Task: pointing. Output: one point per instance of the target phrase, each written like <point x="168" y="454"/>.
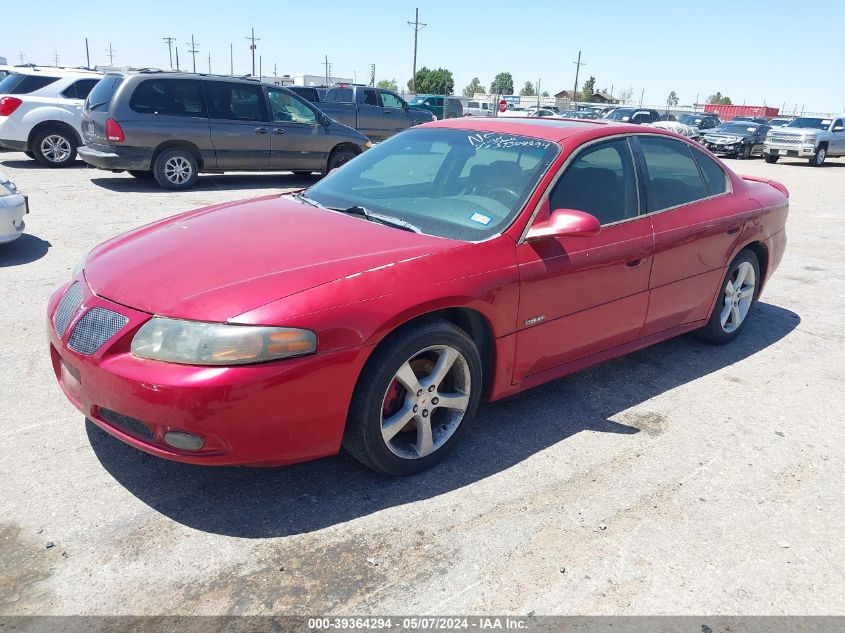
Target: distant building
<point x="3" y="61"/>
<point x="597" y="97"/>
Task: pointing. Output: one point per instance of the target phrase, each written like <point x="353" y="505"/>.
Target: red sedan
<point x="461" y="259"/>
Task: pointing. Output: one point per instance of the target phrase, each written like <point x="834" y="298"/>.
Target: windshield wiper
<point x="388" y="220"/>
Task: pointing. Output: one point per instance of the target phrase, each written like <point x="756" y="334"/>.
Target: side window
<point x="80" y="89"/>
<point x="287" y="108"/>
<point x="371" y="97"/>
<point x="171" y="97"/>
<point x="714" y="176"/>
<point x="390" y="100"/>
<point x="600" y="181"/>
<point x="472" y="104"/>
<point x="673" y="175"/>
<point x="234" y="101"/>
<point x="838" y="125"/>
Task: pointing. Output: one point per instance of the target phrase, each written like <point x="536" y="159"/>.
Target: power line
<point x="110" y="52"/>
<point x="578" y="65"/>
<point x="252" y="46"/>
<point x="417" y="26"/>
<point x="193" y="51"/>
<point x="169" y="41"/>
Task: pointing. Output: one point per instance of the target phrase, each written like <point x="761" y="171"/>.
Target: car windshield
<point x="819" y="124"/>
<point x="738" y="128"/>
<point x="458" y="184"/>
<point x="689" y="119"/>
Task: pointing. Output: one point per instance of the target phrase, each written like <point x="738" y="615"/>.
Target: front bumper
<point x="13" y="208"/>
<point x="794" y="150"/>
<point x="112" y="157"/>
<point x="724" y="150"/>
<point x="267" y="414"/>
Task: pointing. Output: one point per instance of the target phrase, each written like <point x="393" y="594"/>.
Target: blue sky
<point x="692" y="47"/>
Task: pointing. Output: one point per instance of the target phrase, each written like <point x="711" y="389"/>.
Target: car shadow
<point x="210" y="182"/>
<point x="28" y="163"/>
<point x="262" y="502"/>
<point x="27" y="248"/>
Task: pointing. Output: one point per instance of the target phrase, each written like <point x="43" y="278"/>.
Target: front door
<point x="297" y="140"/>
<point x="240" y="129"/>
<point x="396" y="116"/>
<point x="583" y="295"/>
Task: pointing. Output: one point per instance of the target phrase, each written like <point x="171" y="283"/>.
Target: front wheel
<point x="818" y="159"/>
<point x="739" y="292"/>
<point x="415" y="398"/>
<point x="175" y="169"/>
<point x="770" y="158"/>
<point x="340" y="157"/>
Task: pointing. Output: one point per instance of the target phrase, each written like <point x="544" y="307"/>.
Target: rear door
<point x="297" y="140"/>
<point x="370" y="114"/>
<point x="586" y="294"/>
<point x="837" y="137"/>
<point x="697" y="222"/>
<point x="239" y="123"/>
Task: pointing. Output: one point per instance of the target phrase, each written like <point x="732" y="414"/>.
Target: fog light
<point x="183" y="441"/>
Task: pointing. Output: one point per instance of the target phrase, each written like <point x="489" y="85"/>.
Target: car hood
<point x="216" y="263"/>
<point x="796" y="131"/>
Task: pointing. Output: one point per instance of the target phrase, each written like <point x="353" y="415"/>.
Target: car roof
<point x="546" y="128"/>
<point x="54" y="71"/>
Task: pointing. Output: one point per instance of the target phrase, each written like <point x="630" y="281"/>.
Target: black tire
<point x="176" y="169"/>
<point x="141" y="174"/>
<point x="339" y="157"/>
<point x="715" y="331"/>
<point x="363" y="438"/>
<point x="54" y="147"/>
<point x="769" y="158"/>
<point x="30" y="155"/>
<point x="819" y="157"/>
<point x="745" y="152"/>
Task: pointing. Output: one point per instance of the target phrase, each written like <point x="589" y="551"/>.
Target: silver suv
<point x="172" y="126"/>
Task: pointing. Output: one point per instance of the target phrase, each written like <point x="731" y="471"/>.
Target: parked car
<point x="441" y="107"/>
<point x="542" y="112"/>
<point x="13" y="207"/>
<point x="814" y="138"/>
<point x="375" y="112"/>
<point x="677" y="127"/>
<point x="172" y="126"/>
<point x="632" y="115"/>
<point x="373" y="311"/>
<point x="479" y="108"/>
<point x="702" y="122"/>
<point x="41" y="112"/>
<point x="740" y="139"/>
<point x="752" y="119"/>
<point x="781" y="121"/>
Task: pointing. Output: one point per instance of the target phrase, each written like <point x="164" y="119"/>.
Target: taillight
<point x="114" y="133"/>
<point x="9" y="105"/>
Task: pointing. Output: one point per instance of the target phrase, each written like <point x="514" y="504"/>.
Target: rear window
<point x="343" y="95"/>
<point x="18" y="84"/>
<point x="101" y="95"/>
<point x="171" y="97"/>
<point x="308" y="93"/>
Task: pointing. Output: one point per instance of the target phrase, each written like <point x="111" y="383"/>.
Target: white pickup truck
<point x="814" y="138"/>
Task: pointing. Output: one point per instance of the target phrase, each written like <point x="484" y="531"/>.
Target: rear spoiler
<point x="774" y="183"/>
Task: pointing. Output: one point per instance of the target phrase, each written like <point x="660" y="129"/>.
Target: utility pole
<point x="55" y="58"/>
<point x="21" y="56"/>
<point x="209" y="63"/>
<point x="231" y="60"/>
<point x="538" y="95"/>
<point x="642" y="94"/>
<point x="193" y="51"/>
<point x="110" y="52"/>
<point x="87" y="55"/>
<point x="578" y="65"/>
<point x="169" y="41"/>
<point x="417" y="26"/>
<point x="260" y="68"/>
<point x="252" y="46"/>
<point x="177" y="58"/>
<point x="372" y="75"/>
<point x="327" y="65"/>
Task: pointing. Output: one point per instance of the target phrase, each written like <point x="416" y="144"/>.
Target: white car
<point x="479" y="108"/>
<point x="41" y="111"/>
<point x="13" y="206"/>
<point x="677" y="127"/>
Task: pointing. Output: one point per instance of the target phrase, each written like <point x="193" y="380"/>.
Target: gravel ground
<point x="680" y="479"/>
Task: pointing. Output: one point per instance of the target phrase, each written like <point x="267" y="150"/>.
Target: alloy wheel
<point x="425" y="402"/>
<point x="56" y="148"/>
<point x="738" y="297"/>
<point x="178" y="170"/>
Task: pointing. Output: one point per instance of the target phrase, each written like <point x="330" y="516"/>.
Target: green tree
<point x="719" y="99"/>
<point x="528" y="90"/>
<point x="388" y="84"/>
<point x="502" y="84"/>
<point x="473" y="87"/>
<point x="672" y="100"/>
<point x="437" y="81"/>
<point x="588" y="89"/>
<point x="545" y="93"/>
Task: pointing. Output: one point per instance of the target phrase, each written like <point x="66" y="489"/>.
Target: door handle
<point x="388" y="111"/>
<point x="261" y="130"/>
<point x="278" y="130"/>
<point x="733" y="230"/>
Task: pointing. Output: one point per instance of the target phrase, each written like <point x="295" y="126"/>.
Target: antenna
<point x="169" y="41"/>
<point x="417" y="26"/>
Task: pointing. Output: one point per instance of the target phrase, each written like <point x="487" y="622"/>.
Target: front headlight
<point x="810" y="139"/>
<point x="200" y="343"/>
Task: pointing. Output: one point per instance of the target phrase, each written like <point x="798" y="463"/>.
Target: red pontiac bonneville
<point x="461" y="259"/>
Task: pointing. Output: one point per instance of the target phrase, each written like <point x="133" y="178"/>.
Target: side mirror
<point x="325" y="120"/>
<point x="564" y="223"/>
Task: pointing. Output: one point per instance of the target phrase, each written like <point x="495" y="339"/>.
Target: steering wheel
<point x="508" y="198"/>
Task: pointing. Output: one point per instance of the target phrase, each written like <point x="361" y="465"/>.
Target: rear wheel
<point x="175" y="169"/>
<point x="414" y="399"/>
<point x="54" y="148"/>
<point x="769" y="158"/>
<point x="818" y="159"/>
<point x="738" y="294"/>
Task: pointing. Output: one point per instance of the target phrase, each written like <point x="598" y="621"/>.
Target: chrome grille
<point x="67" y="308"/>
<point x="95" y="327"/>
<point x="127" y="424"/>
<point x="788" y="140"/>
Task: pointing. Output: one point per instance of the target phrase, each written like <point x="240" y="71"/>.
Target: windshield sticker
<point x="480" y="218"/>
<point x="497" y="141"/>
<point x="827" y="121"/>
